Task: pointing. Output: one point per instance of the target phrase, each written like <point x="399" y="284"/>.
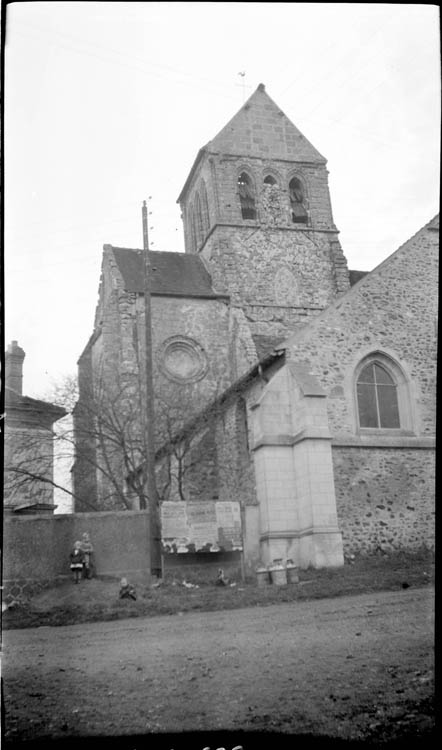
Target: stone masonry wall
<point x="234" y="457"/>
<point x="385" y="498"/>
<point x="220" y="174"/>
<point x="226" y="169"/>
<point x="384" y="478"/>
<point x="279" y="277"/>
<point x="394" y="310"/>
<point x="219" y="333"/>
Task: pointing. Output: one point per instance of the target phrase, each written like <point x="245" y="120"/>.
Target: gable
<point x="391" y="312"/>
<point x="408" y="273"/>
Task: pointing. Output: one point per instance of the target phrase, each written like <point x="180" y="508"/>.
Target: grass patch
<point x="99" y="601"/>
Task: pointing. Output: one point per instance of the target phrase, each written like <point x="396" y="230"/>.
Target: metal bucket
<point x="262" y="576"/>
<point x="292" y="574"/>
<point x="278" y="574"/>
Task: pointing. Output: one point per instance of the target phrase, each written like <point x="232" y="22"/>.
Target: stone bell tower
<point x="256" y="207"/>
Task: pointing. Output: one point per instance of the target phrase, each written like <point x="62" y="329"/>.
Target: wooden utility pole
<point x="149" y="414"/>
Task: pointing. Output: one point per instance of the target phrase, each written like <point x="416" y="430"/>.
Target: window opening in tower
<point x="246" y="197"/>
<point x="299" y="213"/>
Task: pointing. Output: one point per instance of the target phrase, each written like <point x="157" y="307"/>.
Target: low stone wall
<point x="36" y="548"/>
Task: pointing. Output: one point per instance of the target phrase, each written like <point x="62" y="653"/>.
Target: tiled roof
<point x="177" y="274"/>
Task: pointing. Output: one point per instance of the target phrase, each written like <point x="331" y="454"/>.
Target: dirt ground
<point x="353" y="668"/>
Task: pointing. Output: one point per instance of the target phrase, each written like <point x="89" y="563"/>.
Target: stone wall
<point x="36" y="548"/>
<point x="387" y="474"/>
<point x="262" y="265"/>
<point x="393" y="309"/>
<point x="226" y="169"/>
<point x="385" y="498"/>
<point x="203" y="322"/>
<point x="208" y="328"/>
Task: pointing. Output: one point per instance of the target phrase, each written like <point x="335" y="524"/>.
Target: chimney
<point x="14" y="367"/>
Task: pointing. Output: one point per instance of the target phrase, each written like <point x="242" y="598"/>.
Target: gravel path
<point x="349" y="667"/>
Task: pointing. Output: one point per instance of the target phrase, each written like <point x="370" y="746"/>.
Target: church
<point x="285" y="384"/>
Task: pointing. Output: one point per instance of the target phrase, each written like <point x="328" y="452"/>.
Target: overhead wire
<point x="208" y="84"/>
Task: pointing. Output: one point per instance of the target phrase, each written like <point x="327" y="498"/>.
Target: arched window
<point x="269" y="180"/>
<point x="297" y="201"/>
<point x="377" y="396"/>
<point x="246" y="196"/>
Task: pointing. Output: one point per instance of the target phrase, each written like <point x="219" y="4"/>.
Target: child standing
<point x="88" y="551"/>
<point x="77" y="560"/>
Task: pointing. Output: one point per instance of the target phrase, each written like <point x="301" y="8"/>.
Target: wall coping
<point x="383" y="441"/>
<point x="258" y="225"/>
<point x="297" y="534"/>
<point x="84" y="516"/>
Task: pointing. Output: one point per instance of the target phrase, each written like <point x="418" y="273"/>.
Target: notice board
<point x="201" y="526"/>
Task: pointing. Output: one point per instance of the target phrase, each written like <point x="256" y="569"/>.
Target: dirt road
<point x="350" y="667"/>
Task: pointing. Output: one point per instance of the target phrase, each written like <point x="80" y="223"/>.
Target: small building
<point x="29" y="443"/>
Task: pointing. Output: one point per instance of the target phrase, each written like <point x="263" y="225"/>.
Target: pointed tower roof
<point x="261" y="129"/>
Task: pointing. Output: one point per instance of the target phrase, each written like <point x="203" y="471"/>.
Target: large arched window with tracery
<point x="377" y="397"/>
<point x="246" y="196"/>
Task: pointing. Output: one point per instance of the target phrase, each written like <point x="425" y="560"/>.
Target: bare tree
<point x="29" y="450"/>
<point x="186" y="459"/>
<point x="110" y="445"/>
<point x="101" y="435"/>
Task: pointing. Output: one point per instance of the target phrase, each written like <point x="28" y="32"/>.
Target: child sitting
<point x="127" y="591"/>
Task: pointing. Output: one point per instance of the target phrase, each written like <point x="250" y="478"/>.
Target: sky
<point x="108" y="103"/>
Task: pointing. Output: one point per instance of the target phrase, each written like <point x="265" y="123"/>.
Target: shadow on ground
<point x="219" y="740"/>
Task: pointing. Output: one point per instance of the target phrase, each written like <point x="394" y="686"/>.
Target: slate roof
<point x="28" y="405"/>
<point x="173" y="274"/>
<point x="356" y="276"/>
<point x="266" y="345"/>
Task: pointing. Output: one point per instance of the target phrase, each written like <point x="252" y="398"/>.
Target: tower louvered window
<point x="297" y="202"/>
<point x="246" y="196"/>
